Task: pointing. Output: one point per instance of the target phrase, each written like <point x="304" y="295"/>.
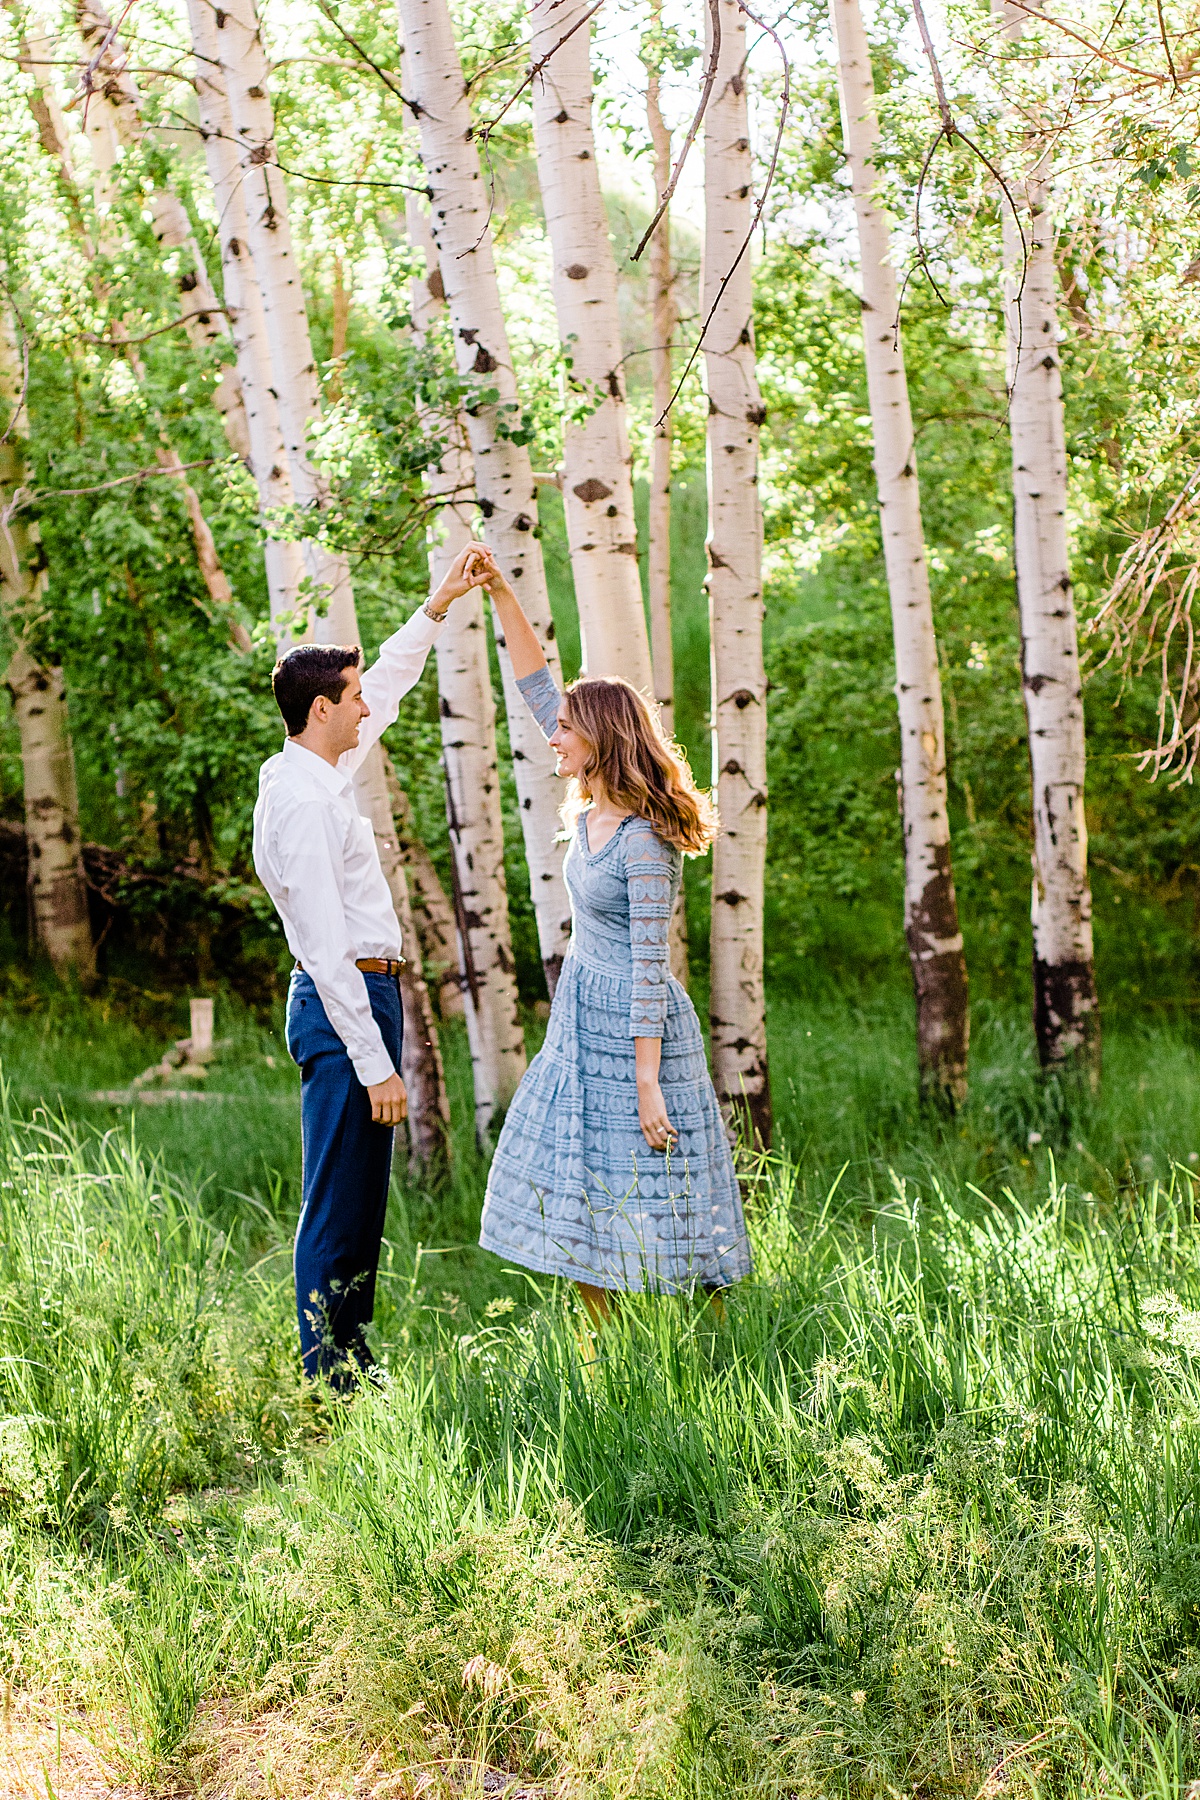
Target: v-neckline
<point x="588" y="852"/>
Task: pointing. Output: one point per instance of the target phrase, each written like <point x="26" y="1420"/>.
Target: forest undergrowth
<point x="919" y="1515"/>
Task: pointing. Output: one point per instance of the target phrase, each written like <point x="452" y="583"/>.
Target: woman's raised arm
<point x="525" y="652"/>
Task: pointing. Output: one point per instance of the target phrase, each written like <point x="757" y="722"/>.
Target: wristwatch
<point x="437" y="617"/>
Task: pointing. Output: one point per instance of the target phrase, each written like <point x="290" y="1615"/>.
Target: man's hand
<point x="389" y="1101"/>
<point x="473" y="567"/>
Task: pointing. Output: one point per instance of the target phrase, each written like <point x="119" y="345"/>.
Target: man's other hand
<point x="389" y="1101"/>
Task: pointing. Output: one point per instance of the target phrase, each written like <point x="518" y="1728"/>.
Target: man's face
<point x="340" y="723"/>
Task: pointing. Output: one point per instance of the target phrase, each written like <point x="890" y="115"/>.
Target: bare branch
<point x="205" y="462"/>
<point x="391" y="86"/>
<point x="124" y="343"/>
<point x="1035" y="12"/>
<point x="535" y="69"/>
<point x="784" y="109"/>
<point x="710" y="75"/>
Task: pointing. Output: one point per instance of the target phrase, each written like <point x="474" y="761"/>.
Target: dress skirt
<point x="574" y="1188"/>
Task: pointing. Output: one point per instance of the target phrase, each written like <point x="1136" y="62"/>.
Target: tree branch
<point x="710" y="76"/>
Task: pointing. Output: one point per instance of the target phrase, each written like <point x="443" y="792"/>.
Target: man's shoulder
<point x="285" y="784"/>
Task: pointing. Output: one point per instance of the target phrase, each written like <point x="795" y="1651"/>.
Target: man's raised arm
<point x="402" y="656"/>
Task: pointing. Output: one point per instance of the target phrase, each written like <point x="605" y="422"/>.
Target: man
<point x="316" y="857"/>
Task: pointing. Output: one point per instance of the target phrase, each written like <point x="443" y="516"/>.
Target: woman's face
<point x="571" y="749"/>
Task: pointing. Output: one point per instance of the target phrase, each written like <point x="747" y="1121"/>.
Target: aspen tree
<point x="665" y="325"/>
<point x="421" y="1066"/>
<point x="432" y="908"/>
<point x="1065" y="1005"/>
<point x="468" y="721"/>
<point x="931" y="925"/>
<point x="597" y="476"/>
<point x="112" y="116"/>
<point x="739" y="686"/>
<point x="57" y="887"/>
<point x="244" y="71"/>
<point x="503" y="475"/>
<point x="268" y="459"/>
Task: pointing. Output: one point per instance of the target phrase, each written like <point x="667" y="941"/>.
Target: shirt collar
<point x="336" y="780"/>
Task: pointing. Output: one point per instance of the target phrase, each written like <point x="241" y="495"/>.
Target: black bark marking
<point x="1066" y="1016"/>
<point x="591" y="489"/>
<point x="940" y="986"/>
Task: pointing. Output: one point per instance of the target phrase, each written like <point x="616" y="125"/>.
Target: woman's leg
<point x="596" y="1300"/>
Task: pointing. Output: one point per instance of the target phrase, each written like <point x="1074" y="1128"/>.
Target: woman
<point x="613" y="1167"/>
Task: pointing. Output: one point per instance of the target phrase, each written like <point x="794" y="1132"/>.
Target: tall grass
<point x="920" y="1513"/>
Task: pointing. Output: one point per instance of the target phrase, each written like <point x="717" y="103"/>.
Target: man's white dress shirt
<point x="315" y="854"/>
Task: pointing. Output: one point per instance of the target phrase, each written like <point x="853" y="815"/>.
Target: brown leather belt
<point x="375" y="965"/>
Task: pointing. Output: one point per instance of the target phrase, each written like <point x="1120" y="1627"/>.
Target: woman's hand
<point x="473" y="567"/>
<point x="657" y="1129"/>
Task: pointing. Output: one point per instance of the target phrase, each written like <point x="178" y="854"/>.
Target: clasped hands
<point x="473" y="567"/>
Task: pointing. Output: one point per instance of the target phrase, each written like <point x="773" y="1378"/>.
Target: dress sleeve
<point x="650" y="872"/>
<point x="540" y="693"/>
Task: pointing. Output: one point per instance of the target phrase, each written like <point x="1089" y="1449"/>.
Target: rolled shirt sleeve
<point x="310" y="867"/>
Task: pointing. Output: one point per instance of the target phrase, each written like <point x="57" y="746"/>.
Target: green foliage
<point x="918" y="1508"/>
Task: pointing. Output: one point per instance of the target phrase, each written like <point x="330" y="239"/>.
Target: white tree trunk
<point x="468" y="720"/>
<point x="665" y="326"/>
<point x="36" y="54"/>
<point x="245" y="71"/>
<point x="930" y="906"/>
<point x="432" y="908"/>
<point x="57" y="889"/>
<point x="112" y="116"/>
<point x="739" y="686"/>
<point x="1066" y="1008"/>
<point x="504" y="483"/>
<point x="268" y="452"/>
<point x="597" y="461"/>
<point x="420" y="1053"/>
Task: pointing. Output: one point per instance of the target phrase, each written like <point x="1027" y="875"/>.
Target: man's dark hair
<point x="305" y="672"/>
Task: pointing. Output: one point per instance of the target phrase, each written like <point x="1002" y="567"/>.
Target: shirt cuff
<point x="420" y="630"/>
<point x="373" y="1068"/>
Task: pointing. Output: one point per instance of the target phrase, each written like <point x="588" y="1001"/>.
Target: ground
<point x="919" y="1515"/>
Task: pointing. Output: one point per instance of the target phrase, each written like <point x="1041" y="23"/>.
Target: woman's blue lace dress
<point x="574" y="1188"/>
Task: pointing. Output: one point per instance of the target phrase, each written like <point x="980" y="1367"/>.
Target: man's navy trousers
<point x="347" y="1167"/>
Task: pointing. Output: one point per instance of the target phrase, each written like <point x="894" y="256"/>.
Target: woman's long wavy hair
<point x="640" y="768"/>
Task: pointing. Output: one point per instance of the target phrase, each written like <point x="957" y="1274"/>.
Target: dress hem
<point x="611" y="1283"/>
